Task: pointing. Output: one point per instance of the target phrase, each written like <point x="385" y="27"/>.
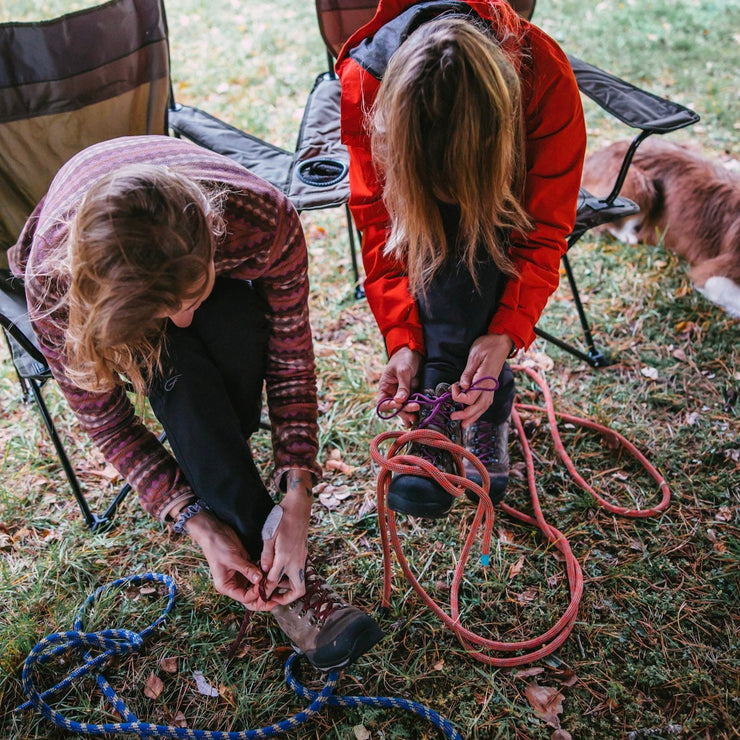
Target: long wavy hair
<point x="447" y="125"/>
<point x="140" y="245"/>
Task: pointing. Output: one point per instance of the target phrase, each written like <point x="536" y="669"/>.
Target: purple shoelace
<point x="435" y="403"/>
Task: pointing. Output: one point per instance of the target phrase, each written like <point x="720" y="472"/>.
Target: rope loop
<point x="123" y="642"/>
<point x="395" y="461"/>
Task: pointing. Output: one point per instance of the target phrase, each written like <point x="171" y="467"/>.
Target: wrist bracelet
<point x="188" y="513"/>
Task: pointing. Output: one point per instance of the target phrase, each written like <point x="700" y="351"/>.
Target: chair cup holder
<point x="321" y="172"/>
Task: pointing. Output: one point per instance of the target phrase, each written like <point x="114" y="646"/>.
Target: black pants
<point x="209" y="400"/>
<point x="455" y="313"/>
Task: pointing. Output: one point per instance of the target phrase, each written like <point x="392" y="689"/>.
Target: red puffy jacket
<point x="555" y="147"/>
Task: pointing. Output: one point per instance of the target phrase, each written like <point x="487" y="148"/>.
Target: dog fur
<point x="687" y="202"/>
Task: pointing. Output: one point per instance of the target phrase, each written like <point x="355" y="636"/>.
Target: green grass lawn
<point x="654" y="652"/>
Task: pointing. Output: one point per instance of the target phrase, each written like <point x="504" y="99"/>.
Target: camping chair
<point x="59" y="93"/>
<point x="66" y="84"/>
<point x="638" y="109"/>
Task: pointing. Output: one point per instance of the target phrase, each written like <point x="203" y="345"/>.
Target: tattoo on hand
<point x="300" y="575"/>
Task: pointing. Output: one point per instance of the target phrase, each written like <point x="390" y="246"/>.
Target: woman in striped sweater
<point x="154" y="261"/>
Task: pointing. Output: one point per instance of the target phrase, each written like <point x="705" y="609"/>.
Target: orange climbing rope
<point x="394" y="461"/>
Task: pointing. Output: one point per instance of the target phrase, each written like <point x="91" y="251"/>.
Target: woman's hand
<point x="399" y="379"/>
<point x="284" y="555"/>
<point x="486" y="359"/>
<point x="233" y="573"/>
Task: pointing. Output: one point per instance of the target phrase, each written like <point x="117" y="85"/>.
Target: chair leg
<point x="593" y="356"/>
<point x="90" y="519"/>
<point x="359" y="290"/>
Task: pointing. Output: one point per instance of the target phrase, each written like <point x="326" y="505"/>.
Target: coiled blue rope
<point x="120" y="642"/>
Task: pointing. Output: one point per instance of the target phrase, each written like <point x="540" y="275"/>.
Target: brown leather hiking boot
<point x="489" y="442"/>
<point x="418" y="495"/>
<point x="328" y="631"/>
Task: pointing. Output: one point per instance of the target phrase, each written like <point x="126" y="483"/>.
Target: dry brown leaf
<point x="527" y="596"/>
<point x="724" y="514"/>
<point x="505" y="536"/>
<point x="332" y="496"/>
<point x="154" y="686"/>
<point x="179" y="720"/>
<point x="361" y="732"/>
<point x="340" y="466"/>
<point x="564" y="677"/>
<point x="529" y="672"/>
<point x="169" y="665"/>
<point x="516" y="568"/>
<point x="439" y="665"/>
<point x="546" y="702"/>
<point x="561" y="735"/>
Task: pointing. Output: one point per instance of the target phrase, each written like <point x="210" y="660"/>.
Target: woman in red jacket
<point x="466" y="138"/>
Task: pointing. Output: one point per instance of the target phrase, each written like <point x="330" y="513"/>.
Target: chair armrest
<point x="266" y="160"/>
<point x="632" y="106"/>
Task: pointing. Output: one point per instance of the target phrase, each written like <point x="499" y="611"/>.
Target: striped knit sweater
<point x="264" y="243"/>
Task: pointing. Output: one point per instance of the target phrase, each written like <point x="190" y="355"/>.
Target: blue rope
<point x="120" y="642"/>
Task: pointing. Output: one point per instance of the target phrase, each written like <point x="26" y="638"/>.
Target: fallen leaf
<point x="692" y="418"/>
<point x="505" y="536"/>
<point x="527" y="596"/>
<point x="529" y="672"/>
<point x="202" y="686"/>
<point x="179" y="720"/>
<point x="679" y="354"/>
<point x="154" y="686"/>
<point x="561" y="735"/>
<point x="332" y="496"/>
<point x="516" y="568"/>
<point x="564" y="677"/>
<point x="724" y="514"/>
<point x="340" y="466"/>
<point x="439" y="665"/>
<point x="649" y="372"/>
<point x="147" y="590"/>
<point x="361" y="732"/>
<point x="169" y="665"/>
<point x="546" y="702"/>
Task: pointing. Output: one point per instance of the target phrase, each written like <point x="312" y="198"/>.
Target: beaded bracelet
<point x="188" y="513"/>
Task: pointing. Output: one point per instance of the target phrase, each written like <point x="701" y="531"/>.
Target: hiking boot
<point x="418" y="495"/>
<point x="328" y="631"/>
<point x="489" y="442"/>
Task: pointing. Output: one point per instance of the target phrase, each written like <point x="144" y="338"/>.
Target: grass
<point x="654" y="652"/>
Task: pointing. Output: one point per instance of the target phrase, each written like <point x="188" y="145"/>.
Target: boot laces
<point x="484" y="444"/>
<point x="319" y="599"/>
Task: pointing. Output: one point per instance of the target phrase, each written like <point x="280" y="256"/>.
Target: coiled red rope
<point x="394" y="461"/>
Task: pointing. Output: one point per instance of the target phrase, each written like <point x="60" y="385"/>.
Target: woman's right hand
<point x="399" y="379"/>
<point x="233" y="573"/>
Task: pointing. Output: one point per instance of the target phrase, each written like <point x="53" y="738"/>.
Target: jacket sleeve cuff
<point x="404" y="336"/>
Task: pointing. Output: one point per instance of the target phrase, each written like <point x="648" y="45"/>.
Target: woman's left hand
<point x="284" y="555"/>
<point x="486" y="359"/>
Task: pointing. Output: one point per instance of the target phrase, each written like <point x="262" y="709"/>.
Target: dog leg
<point x="710" y="279"/>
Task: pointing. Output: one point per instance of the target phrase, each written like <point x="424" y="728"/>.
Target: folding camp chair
<point x="59" y="93"/>
<point x="636" y="108"/>
<point x="97" y="74"/>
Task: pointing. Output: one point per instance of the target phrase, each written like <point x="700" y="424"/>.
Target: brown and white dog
<point x="689" y="202"/>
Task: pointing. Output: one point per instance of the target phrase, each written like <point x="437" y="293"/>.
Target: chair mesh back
<point x="339" y="19"/>
<point x="71" y="82"/>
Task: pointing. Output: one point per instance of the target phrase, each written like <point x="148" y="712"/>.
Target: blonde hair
<point x="140" y="244"/>
<point x="447" y="125"/>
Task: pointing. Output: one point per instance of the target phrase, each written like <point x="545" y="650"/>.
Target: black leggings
<point x="209" y="399"/>
<point x="455" y="313"/>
